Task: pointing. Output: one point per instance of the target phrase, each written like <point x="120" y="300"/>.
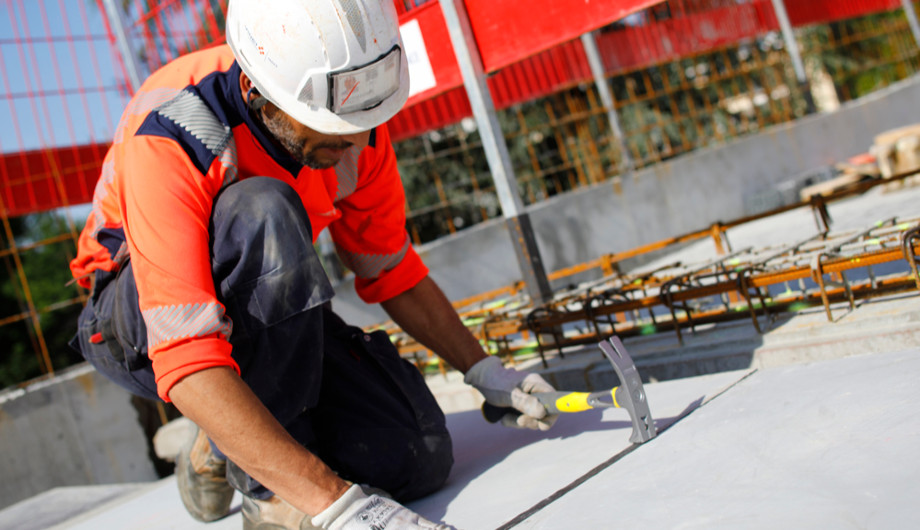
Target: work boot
<point x="274" y="514"/>
<point x="202" y="478"/>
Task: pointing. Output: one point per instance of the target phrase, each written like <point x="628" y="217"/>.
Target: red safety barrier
<point x="523" y="81"/>
<point x="510" y="31"/>
<point x="667" y="40"/>
<point x="819" y="11"/>
<point x="60" y="99"/>
<point x="440" y="52"/>
<point x="528" y="45"/>
<point x="35" y="181"/>
<point x="690" y="31"/>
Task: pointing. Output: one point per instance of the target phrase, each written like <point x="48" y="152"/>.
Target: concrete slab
<point x="65" y="504"/>
<point x="827" y="445"/>
<point x="156" y="506"/>
<point x="69" y="431"/>
<point x="499" y="472"/>
<point x="819" y="445"/>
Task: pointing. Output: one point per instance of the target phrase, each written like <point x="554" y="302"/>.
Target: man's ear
<point x="251" y="96"/>
<point x="248" y="89"/>
<point x="245" y="84"/>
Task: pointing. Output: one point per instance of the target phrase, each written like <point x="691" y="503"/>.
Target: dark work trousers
<point x="344" y="394"/>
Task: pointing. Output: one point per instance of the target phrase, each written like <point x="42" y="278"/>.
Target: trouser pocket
<point x="112" y="337"/>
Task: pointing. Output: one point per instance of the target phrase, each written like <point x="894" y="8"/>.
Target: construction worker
<point x="207" y="292"/>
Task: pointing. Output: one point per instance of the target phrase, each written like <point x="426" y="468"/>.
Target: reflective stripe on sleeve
<point x="100" y="193"/>
<point x="228" y="161"/>
<point x="189" y="111"/>
<point x="142" y="103"/>
<point x="346" y="172"/>
<point x="372" y="265"/>
<point x="166" y="323"/>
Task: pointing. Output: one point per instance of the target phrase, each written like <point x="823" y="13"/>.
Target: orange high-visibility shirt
<point x="184" y="136"/>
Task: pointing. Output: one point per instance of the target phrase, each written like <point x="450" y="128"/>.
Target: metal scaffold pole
<point x="589" y="41"/>
<point x="493" y="142"/>
<point x="911" y="13"/>
<point x="116" y="22"/>
<point x="792" y="46"/>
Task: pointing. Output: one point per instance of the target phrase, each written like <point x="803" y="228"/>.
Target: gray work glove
<point x="504" y="387"/>
<point x="356" y="510"/>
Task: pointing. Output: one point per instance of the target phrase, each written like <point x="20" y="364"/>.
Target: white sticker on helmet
<point x="365" y="87"/>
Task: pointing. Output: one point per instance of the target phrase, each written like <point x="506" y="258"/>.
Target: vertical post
<point x="589" y="42"/>
<point x="493" y="142"/>
<point x="793" y="48"/>
<point x="912" y="19"/>
<point x="121" y="37"/>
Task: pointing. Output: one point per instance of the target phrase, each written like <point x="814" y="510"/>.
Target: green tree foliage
<point x="862" y="54"/>
<point x="47" y="274"/>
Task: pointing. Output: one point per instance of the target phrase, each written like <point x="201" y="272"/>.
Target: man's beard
<point x="285" y="135"/>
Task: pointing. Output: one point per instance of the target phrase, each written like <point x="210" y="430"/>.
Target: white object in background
<point x="421" y="75"/>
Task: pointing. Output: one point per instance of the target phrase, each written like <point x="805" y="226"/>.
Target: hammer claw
<point x="631" y="394"/>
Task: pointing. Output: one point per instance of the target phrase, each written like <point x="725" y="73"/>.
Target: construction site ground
<point x="812" y="424"/>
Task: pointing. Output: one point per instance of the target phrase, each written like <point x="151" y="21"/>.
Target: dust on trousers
<point x="345" y="395"/>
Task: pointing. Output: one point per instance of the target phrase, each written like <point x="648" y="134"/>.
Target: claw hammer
<point x="630" y="395"/>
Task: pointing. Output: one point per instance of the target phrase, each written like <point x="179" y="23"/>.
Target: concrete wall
<point x="75" y="429"/>
<point x="688" y="193"/>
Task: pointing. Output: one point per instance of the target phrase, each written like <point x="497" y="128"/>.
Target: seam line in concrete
<point x="523" y="516"/>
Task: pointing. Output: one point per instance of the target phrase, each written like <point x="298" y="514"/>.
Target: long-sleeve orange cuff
<point x="393" y="282"/>
<point x="173" y="363"/>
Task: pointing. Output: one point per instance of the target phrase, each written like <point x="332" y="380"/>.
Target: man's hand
<point x="355" y="510"/>
<point x="426" y="314"/>
<point x="504" y="387"/>
<point x="245" y="431"/>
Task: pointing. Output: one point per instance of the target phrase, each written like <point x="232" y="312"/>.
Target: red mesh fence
<point x="59" y="100"/>
<point x="65" y="82"/>
<point x="167" y="29"/>
<point x="665" y="32"/>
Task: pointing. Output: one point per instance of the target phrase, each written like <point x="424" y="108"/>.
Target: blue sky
<point x="67" y="51"/>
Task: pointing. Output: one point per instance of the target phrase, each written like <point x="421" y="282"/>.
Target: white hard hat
<point x="336" y="66"/>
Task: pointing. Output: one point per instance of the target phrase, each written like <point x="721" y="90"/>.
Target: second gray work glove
<point x="504" y="387"/>
<point x="356" y="510"/>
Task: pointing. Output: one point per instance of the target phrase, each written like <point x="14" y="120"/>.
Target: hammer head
<point x="630" y="395"/>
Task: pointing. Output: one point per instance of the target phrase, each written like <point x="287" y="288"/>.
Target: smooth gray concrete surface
<point x="498" y="473"/>
<point x="76" y="429"/>
<point x="826" y="445"/>
<point x="687" y="193"/>
<point x="829" y="444"/>
<point x="156" y="507"/>
<point x="65" y="504"/>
